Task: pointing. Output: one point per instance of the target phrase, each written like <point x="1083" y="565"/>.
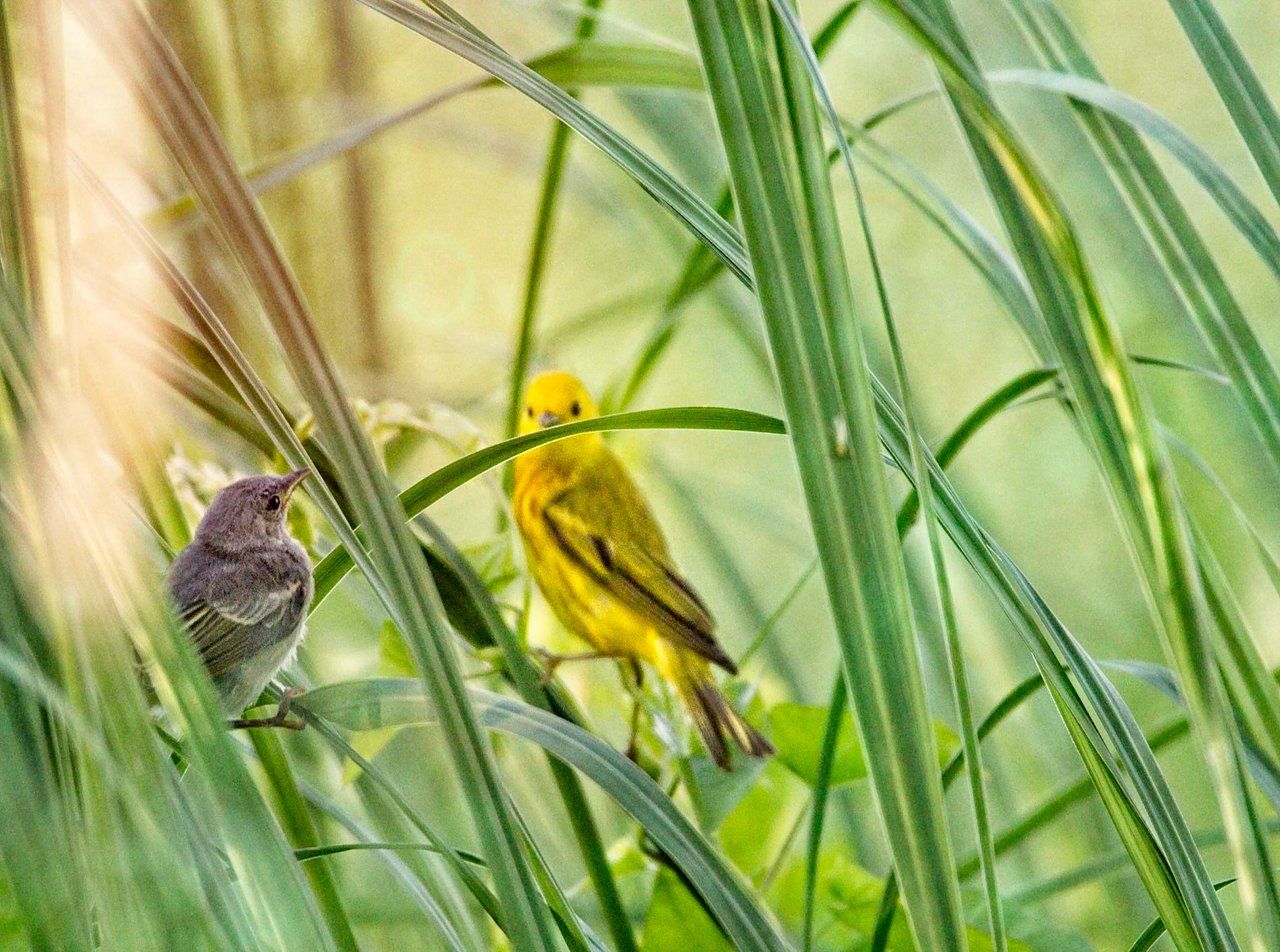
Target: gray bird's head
<point x="250" y="511"/>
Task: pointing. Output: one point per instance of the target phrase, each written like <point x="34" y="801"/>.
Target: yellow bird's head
<point x="554" y="398"/>
<point x="551" y="399"/>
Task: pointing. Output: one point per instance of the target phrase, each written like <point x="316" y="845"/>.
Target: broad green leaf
<point x="797" y="731"/>
<point x="676" y="922"/>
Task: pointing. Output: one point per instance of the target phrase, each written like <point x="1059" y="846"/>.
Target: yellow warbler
<point x="603" y="565"/>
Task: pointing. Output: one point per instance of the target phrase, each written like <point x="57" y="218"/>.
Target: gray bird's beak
<point x="547" y="419"/>
<point x="293" y="479"/>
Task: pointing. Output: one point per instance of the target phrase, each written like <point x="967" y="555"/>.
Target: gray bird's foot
<point x="279" y="719"/>
<point x="551" y="661"/>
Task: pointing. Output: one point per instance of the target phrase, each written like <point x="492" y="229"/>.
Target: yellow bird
<point x="602" y="563"/>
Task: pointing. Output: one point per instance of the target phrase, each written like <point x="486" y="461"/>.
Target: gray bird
<point x="242" y="588"/>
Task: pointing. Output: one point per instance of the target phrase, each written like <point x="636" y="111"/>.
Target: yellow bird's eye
<point x="529" y="411"/>
<point x="575" y="408"/>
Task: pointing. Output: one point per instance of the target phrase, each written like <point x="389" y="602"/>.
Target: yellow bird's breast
<point x="578" y="600"/>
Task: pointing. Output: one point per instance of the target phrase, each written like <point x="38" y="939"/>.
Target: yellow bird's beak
<point x="547" y="418"/>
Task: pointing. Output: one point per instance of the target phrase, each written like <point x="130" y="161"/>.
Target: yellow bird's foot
<point x="551" y="661"/>
<point x="637" y="699"/>
<point x="279" y="719"/>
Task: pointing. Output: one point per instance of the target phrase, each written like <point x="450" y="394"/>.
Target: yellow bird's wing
<point x="602" y="524"/>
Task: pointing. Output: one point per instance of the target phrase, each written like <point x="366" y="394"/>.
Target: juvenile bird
<point x="242" y="589"/>
<point x="601" y="560"/>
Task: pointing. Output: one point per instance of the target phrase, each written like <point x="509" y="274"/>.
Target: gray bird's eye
<point x="273" y="503"/>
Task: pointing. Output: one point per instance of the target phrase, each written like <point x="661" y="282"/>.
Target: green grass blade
<point x="307" y="853"/>
<point x="792" y="238"/>
<point x="942" y="594"/>
<point x="818" y="809"/>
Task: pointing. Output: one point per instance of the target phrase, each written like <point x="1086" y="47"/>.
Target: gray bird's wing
<point x="233" y="611"/>
<point x="226" y="633"/>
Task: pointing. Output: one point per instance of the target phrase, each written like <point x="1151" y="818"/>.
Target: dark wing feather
<point x="605" y="527"/>
<point x="234" y="608"/>
<point x="227" y="631"/>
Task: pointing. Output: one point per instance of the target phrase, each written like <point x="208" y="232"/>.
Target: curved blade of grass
<point x="475" y="47"/>
<point x="1238" y="86"/>
<point x="1226" y="194"/>
<point x="1246" y="673"/>
<point x="449" y="477"/>
<point x="369" y="704"/>
<point x="818" y="810"/>
<point x="1251" y="668"/>
<point x="306" y="853"/>
<point x="176" y="108"/>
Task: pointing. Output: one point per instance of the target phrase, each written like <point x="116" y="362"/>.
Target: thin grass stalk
<point x="544" y="223"/>
<point x="818" y="812"/>
<point x="176" y="108"/>
<point x="833" y="433"/>
<point x="15" y="217"/>
<point x="295" y="817"/>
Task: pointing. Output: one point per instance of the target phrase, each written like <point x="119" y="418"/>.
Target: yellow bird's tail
<point x="713" y="715"/>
